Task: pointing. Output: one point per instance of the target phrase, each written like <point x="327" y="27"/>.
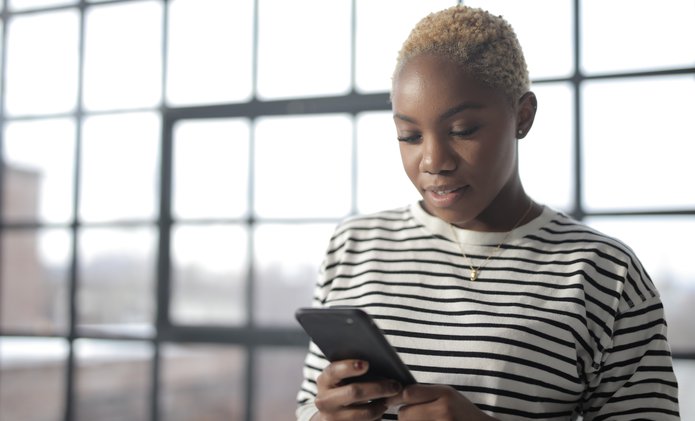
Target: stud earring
<point x="519" y="132"/>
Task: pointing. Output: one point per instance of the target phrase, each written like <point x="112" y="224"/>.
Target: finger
<point x="367" y="411"/>
<point x="421" y="393"/>
<point x="338" y="371"/>
<point x="355" y="395"/>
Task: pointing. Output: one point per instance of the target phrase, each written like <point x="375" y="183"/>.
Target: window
<point x="172" y="171"/>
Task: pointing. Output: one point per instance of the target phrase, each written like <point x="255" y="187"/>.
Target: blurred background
<point x="172" y="171"/>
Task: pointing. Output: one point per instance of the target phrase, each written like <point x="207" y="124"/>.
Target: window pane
<point x="32" y="378"/>
<point x="123" y="55"/>
<point x="203" y="382"/>
<point x="376" y="49"/>
<point x="116" y="274"/>
<point x="210" y="266"/>
<point x="638" y="145"/>
<point x="626" y="35"/>
<point x="539" y="35"/>
<point x="38" y="171"/>
<point x="548" y="148"/>
<point x="113" y="380"/>
<point x="307" y="54"/>
<point x="685" y="373"/>
<point x="35" y="267"/>
<point x="211" y="171"/>
<point x="120" y="167"/>
<point x="35" y="4"/>
<point x="665" y="248"/>
<point x="210" y="51"/>
<point x="42" y="70"/>
<point x="303" y="166"/>
<point x="278" y="374"/>
<point x="381" y="180"/>
<point x="287" y="259"/>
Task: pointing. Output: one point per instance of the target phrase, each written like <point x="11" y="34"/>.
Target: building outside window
<point x="172" y="171"/>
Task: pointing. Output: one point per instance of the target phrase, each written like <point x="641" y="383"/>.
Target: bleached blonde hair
<point x="484" y="44"/>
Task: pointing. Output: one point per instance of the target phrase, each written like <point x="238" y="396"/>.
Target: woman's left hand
<point x="435" y="403"/>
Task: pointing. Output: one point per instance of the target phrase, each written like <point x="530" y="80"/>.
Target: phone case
<point x="350" y="333"/>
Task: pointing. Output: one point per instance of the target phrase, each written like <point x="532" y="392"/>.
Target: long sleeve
<point x="636" y="378"/>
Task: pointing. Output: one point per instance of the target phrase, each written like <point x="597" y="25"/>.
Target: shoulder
<point x="392" y="223"/>
<point x="615" y="264"/>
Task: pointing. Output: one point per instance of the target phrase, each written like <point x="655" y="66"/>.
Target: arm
<point x="636" y="379"/>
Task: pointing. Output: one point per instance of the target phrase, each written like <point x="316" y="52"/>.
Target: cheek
<point x="410" y="160"/>
<point x="499" y="161"/>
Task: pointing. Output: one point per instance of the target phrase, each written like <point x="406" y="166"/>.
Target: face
<point x="458" y="143"/>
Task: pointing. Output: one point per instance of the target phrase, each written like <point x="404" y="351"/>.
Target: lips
<point x="444" y="196"/>
<point x="442" y="192"/>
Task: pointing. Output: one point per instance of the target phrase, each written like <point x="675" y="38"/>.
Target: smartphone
<point x="350" y="333"/>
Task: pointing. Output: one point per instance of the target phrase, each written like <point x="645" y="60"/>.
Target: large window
<point x="172" y="171"/>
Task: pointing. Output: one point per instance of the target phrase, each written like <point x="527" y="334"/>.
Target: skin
<point x="457" y="133"/>
<point x="460" y="136"/>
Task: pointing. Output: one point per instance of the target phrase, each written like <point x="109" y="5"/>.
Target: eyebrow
<point x="446" y="114"/>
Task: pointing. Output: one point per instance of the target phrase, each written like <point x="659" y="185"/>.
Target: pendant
<point x="474" y="274"/>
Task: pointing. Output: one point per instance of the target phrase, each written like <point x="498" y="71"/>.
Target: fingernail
<point x="358" y="365"/>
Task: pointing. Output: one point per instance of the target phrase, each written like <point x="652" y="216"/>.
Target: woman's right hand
<point x="363" y="401"/>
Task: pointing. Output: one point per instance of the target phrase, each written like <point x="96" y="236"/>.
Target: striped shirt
<point x="562" y="322"/>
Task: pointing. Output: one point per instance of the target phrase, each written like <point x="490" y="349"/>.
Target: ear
<point x="525" y="114"/>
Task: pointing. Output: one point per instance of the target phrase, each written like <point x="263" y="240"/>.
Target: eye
<point x="410" y="138"/>
<point x="465" y="132"/>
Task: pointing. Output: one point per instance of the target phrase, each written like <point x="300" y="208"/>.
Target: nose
<point x="437" y="155"/>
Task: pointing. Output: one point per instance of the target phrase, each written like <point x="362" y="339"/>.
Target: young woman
<point x="502" y="308"/>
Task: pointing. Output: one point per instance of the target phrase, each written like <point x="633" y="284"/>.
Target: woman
<point x="502" y="308"/>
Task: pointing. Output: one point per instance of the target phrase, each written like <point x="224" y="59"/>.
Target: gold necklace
<point x="475" y="272"/>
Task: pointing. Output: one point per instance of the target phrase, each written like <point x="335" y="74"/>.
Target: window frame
<point x="249" y="336"/>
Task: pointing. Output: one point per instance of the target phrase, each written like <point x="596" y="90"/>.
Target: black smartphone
<point x="346" y="333"/>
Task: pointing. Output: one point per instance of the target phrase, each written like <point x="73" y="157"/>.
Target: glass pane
<point x="287" y="259"/>
<point x="548" y="148"/>
<point x="376" y="49"/>
<point x="15" y="5"/>
<point x="221" y="70"/>
<point x="42" y="70"/>
<point x="303" y="55"/>
<point x="116" y="280"/>
<point x="665" y="248"/>
<point x="35" y="274"/>
<point x="113" y="380"/>
<point x="123" y="55"/>
<point x="685" y="372"/>
<point x="553" y="32"/>
<point x="278" y="374"/>
<point x="3" y="51"/>
<point x="381" y="180"/>
<point x="209" y="270"/>
<point x="203" y="382"/>
<point x="303" y="166"/>
<point x="38" y="172"/>
<point x="211" y="170"/>
<point x="120" y="167"/>
<point x="638" y="145"/>
<point x="32" y="378"/>
<point x="626" y="35"/>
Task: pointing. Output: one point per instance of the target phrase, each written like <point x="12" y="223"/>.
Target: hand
<point x="435" y="403"/>
<point x="355" y="401"/>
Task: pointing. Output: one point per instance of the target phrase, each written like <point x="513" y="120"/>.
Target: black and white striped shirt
<point x="562" y="321"/>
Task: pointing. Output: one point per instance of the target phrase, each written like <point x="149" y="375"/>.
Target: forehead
<point x="434" y="80"/>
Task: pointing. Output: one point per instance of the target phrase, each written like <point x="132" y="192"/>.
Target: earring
<point x="519" y="132"/>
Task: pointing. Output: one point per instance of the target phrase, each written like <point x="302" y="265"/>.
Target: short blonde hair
<point x="484" y="44"/>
